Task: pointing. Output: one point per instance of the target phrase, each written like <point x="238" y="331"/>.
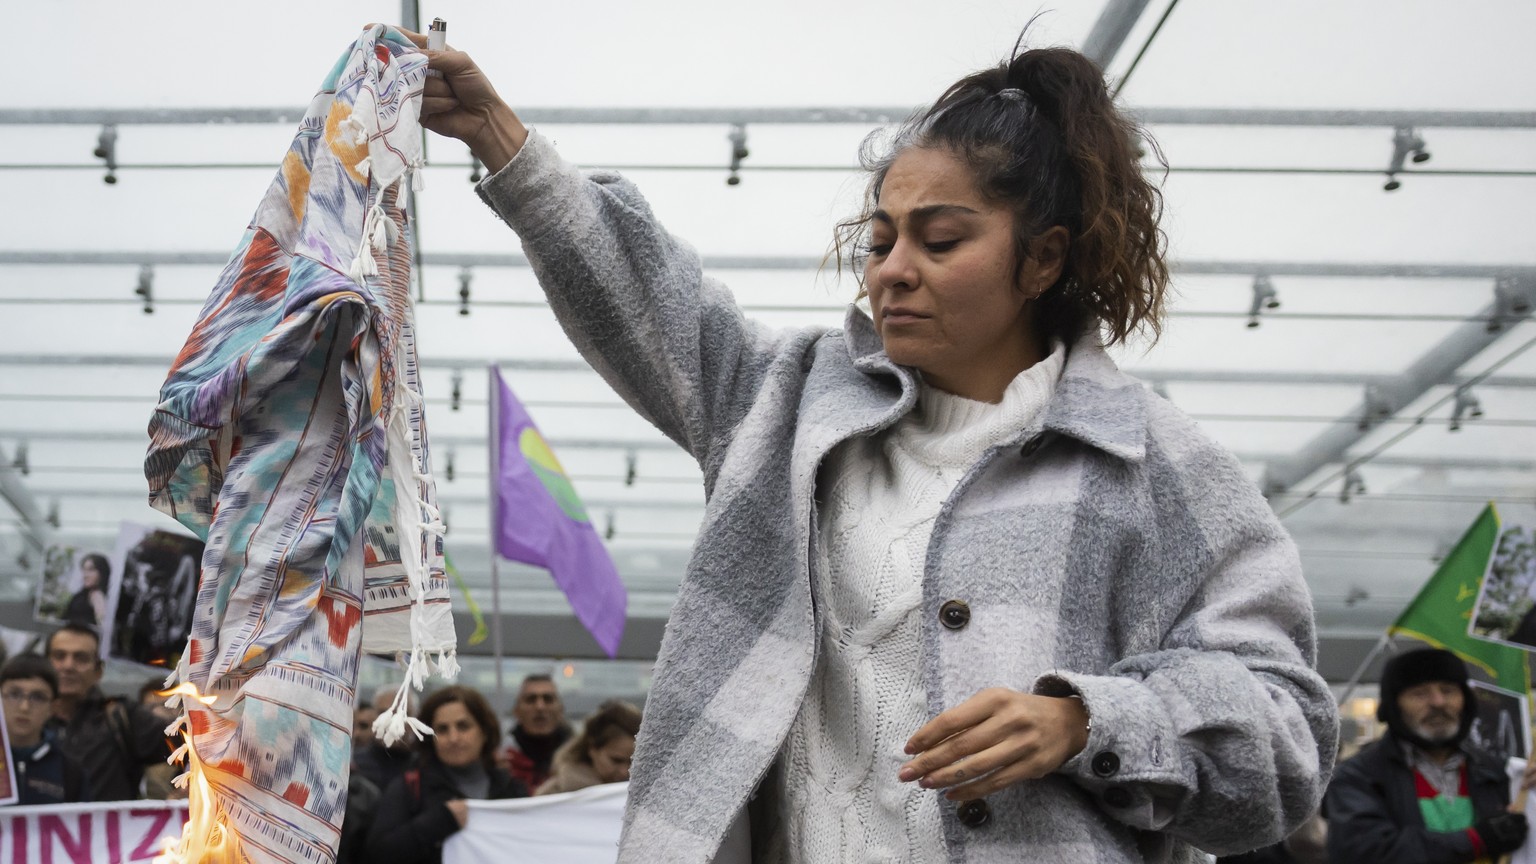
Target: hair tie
<point x="1012" y="94"/>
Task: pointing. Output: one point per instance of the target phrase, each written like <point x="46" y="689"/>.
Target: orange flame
<point x="207" y="837"/>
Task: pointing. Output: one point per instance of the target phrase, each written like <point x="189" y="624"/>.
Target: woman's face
<point x="456" y="737"/>
<point x="941" y="282"/>
<point x="90" y="577"/>
<point x="611" y="761"/>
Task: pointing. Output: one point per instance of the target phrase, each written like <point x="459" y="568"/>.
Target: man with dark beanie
<point x="1422" y="794"/>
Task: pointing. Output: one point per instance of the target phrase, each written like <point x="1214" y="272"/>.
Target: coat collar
<point x="1094" y="402"/>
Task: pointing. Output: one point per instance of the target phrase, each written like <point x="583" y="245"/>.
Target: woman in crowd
<point x="963" y="590"/>
<point x="425" y="806"/>
<point x="600" y="754"/>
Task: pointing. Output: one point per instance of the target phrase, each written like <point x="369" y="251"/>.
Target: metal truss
<point x="874" y="115"/>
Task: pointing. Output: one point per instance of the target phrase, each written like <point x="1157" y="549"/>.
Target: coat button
<point x="1105" y="764"/>
<point x="1117" y="797"/>
<point x="955" y="614"/>
<point x="974" y="814"/>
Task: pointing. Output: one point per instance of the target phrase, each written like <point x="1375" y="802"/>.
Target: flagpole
<point x="495" y="477"/>
<point x="1354" y="680"/>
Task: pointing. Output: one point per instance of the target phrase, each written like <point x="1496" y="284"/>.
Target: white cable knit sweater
<point x="867" y="697"/>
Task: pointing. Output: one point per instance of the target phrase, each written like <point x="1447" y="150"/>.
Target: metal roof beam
<point x="1152" y="116"/>
<point x="1177" y="376"/>
<point x="13" y="489"/>
<point x="1115" y="23"/>
<point x="1266" y="376"/>
<point x="110" y="436"/>
<point x="1320" y="269"/>
<point x="592" y="504"/>
<point x="1435" y="367"/>
<point x="1455" y="463"/>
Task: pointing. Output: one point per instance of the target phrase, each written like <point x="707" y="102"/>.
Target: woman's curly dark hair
<point x="1043" y="136"/>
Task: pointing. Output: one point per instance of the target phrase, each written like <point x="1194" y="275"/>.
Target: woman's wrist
<point x="499" y="139"/>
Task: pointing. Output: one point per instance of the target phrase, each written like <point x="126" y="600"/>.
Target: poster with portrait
<point x="151" y="595"/>
<point x="1503" y="722"/>
<point x="10" y="792"/>
<point x="1506" y="602"/>
<point x="73" y="586"/>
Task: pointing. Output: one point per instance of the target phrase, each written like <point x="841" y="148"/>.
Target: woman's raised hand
<point x="462" y="104"/>
<point x="995" y="739"/>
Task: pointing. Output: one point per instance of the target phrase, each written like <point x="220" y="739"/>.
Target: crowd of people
<point x="70" y="743"/>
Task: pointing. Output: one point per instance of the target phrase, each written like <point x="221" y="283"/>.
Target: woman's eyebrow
<point x="924" y="213"/>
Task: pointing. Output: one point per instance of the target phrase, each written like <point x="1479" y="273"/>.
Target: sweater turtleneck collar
<point x="951" y="429"/>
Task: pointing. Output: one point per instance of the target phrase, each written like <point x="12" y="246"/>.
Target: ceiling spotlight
<point x="1467" y="406"/>
<point x="475" y="168"/>
<point x="1377" y="407"/>
<point x="1354" y="485"/>
<point x="1406" y="144"/>
<point x="738" y="138"/>
<point x="1264" y="297"/>
<point x="1513" y="298"/>
<point x="631" y="467"/>
<point x="442" y="516"/>
<point x="20" y="462"/>
<point x="456" y="398"/>
<point x="146" y="288"/>
<point x="53" y="514"/>
<point x="106" y="151"/>
<point x="610" y="527"/>
<point x="465" y="277"/>
<point x="448" y="468"/>
<point x="1355" y="596"/>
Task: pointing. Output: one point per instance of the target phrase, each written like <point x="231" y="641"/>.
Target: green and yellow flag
<point x="1442" y="611"/>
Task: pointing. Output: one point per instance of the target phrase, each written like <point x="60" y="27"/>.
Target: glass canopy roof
<point x="1277" y="122"/>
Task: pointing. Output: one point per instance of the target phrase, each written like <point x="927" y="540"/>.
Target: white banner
<point x="580" y="827"/>
<point x="108" y="833"/>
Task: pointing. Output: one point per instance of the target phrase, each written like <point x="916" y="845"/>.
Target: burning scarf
<point x="290" y="436"/>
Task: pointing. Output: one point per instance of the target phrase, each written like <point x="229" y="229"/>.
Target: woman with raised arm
<point x="963" y="590"/>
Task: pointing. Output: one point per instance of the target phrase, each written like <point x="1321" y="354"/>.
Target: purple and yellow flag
<point x="538" y="519"/>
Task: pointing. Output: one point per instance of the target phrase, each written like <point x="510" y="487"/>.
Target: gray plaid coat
<point x="1113" y="551"/>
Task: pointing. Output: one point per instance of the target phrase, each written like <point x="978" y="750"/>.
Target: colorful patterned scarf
<point x="290" y="436"/>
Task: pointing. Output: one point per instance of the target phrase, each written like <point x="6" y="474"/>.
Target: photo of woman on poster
<point x="89" y="604"/>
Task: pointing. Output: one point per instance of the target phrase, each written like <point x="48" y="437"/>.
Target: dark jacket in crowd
<point x="112" y="740"/>
<point x="362" y="802"/>
<point x="46" y="775"/>
<point x="380" y="764"/>
<point x="530" y="758"/>
<point x="1373" y="813"/>
<point x="413" y="820"/>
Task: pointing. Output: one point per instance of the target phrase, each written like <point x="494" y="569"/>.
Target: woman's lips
<point x="901" y="316"/>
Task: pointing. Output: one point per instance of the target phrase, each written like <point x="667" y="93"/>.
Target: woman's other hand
<point x="995" y="739"/>
<point x="459" y="809"/>
<point x="463" y="104"/>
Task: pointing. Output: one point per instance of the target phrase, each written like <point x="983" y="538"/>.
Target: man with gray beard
<point x="1422" y="794"/>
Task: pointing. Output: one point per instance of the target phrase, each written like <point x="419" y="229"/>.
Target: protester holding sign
<point x="425" y="806"/>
